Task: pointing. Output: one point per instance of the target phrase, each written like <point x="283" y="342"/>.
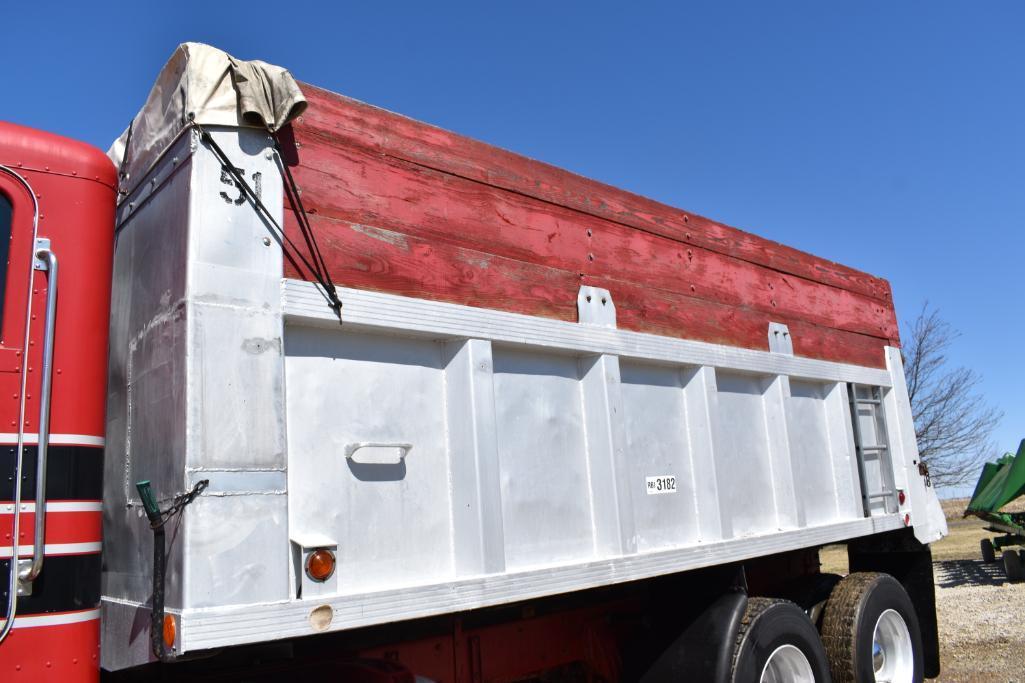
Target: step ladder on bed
<point x="878" y="492"/>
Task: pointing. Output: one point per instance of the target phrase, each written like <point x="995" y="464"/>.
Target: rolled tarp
<point x="203" y="84"/>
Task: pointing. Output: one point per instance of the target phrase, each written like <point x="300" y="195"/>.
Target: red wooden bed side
<point x="404" y="207"/>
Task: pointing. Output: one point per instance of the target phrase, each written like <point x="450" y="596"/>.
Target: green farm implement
<point x="1001" y="483"/>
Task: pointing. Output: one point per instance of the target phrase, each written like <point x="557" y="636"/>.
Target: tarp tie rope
<point x="318" y="268"/>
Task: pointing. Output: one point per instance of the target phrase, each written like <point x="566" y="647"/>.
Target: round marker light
<point x="907" y="520"/>
<point x="320" y="564"/>
<point x="900" y="496"/>
<point x="170" y="630"/>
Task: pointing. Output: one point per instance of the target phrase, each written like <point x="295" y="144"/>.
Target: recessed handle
<point x="352" y="448"/>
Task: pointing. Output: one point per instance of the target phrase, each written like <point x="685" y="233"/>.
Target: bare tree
<point x="953" y="422"/>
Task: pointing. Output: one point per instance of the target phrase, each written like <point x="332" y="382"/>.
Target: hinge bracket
<point x="595" y="307"/>
<point x="780" y="340"/>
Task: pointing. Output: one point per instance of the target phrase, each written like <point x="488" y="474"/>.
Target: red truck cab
<point x="57" y="199"/>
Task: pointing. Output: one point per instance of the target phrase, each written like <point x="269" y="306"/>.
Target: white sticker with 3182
<point x="656" y="485"/>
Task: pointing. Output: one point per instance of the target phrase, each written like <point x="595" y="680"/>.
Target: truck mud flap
<point x="704" y="650"/>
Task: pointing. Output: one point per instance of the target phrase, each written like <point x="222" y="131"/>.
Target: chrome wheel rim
<point x="893" y="656"/>
<point x="787" y="664"/>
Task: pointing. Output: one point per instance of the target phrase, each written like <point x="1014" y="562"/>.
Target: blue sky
<point x="887" y="136"/>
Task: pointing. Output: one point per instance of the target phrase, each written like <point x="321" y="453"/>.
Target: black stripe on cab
<point x="72" y="473"/>
<point x="67" y="582"/>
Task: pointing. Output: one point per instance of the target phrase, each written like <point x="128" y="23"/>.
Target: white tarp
<point x="210" y="86"/>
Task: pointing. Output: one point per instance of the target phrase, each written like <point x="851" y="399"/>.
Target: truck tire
<point x="777" y="642"/>
<point x="870" y="631"/>
<point x="1013" y="566"/>
<point x="988" y="552"/>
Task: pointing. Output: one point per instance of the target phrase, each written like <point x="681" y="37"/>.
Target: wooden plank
<point x="377" y="259"/>
<point x="369" y="257"/>
<point x="343" y="121"/>
<point x="644" y="309"/>
<point x="358" y="187"/>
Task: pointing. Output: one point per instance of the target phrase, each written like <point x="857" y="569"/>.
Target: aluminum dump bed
<point x="539" y="384"/>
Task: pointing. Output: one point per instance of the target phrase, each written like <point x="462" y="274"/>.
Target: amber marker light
<point x="320" y="564"/>
<point x="170" y="630"/>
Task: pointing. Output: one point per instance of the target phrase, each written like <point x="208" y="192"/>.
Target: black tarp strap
<point x="317" y="268"/>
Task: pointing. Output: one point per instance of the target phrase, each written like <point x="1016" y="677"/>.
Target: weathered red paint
<point x="353" y="123"/>
<point x="403" y="207"/>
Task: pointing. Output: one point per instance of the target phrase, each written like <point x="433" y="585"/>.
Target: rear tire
<point x="1013" y="566"/>
<point x="988" y="552"/>
<point x="777" y="643"/>
<point x="870" y="628"/>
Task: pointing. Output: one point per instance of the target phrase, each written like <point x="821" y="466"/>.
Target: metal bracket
<point x="595" y="307"/>
<point x="779" y="339"/>
<point x="42" y="244"/>
<point x="23" y="569"/>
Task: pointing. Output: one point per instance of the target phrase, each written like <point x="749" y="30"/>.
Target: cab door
<point x="56" y="234"/>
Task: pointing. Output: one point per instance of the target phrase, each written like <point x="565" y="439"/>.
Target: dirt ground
<point x="982" y="637"/>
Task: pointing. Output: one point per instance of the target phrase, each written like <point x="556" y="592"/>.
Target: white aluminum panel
<point x="788" y="500"/>
<point x="656" y="424"/>
<point x="923" y="505"/>
<point x="546" y="498"/>
<point x="146" y="406"/>
<point x="223" y="530"/>
<point x="743" y="463"/>
<point x="813" y="458"/>
<point x="844" y="456"/>
<point x="478" y="534"/>
<point x="389" y="511"/>
<point x="196" y="388"/>
<point x="607" y="465"/>
<point x="702" y="397"/>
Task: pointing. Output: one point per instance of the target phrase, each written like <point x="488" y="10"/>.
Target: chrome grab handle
<point x="48" y="262"/>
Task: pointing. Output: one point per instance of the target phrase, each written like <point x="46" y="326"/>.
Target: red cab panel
<point x="56" y="189"/>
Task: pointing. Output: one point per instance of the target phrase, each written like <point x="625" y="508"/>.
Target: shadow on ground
<point x="952" y="573"/>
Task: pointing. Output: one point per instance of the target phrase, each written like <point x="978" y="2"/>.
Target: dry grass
<point x="954" y="508"/>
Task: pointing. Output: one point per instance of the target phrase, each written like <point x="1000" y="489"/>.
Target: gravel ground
<point x="982" y="637"/>
<point x="981" y="615"/>
<point x="981" y="634"/>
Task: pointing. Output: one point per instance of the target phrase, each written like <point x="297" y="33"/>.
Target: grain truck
<point x="299" y="387"/>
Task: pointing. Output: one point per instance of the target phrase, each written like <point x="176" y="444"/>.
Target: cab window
<point x="5" y="245"/>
